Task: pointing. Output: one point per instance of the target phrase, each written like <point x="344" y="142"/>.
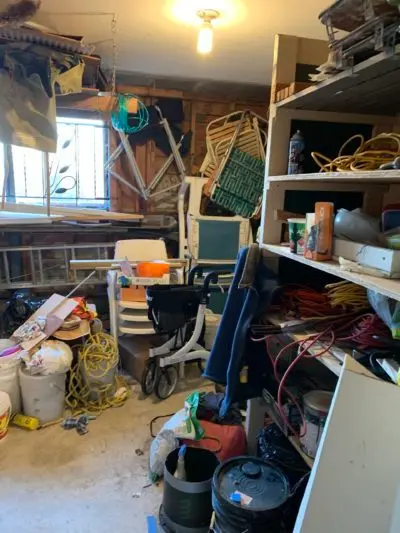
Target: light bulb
<point x="205" y="38"/>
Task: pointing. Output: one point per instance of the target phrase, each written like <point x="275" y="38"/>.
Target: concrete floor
<point x="54" y="481"/>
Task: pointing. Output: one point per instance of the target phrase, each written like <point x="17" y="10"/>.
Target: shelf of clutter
<point x="331" y="212"/>
<point x="370" y="86"/>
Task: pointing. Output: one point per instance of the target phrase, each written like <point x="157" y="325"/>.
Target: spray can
<point x="296" y="153"/>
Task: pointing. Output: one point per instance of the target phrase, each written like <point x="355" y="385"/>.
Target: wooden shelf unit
<point x="388" y="287"/>
<point x="349" y="430"/>
<point x="369" y="87"/>
<point x="325" y="103"/>
<point x="372" y="176"/>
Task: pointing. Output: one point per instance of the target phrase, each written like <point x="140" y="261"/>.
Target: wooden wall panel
<point x="198" y="112"/>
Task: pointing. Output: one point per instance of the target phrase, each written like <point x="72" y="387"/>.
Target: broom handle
<point x="72" y="292"/>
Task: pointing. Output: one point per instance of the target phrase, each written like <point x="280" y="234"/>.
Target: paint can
<point x="316" y="408"/>
<point x="5" y="414"/>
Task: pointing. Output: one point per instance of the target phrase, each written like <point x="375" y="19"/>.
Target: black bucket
<point x="186" y="506"/>
<point x="263" y="490"/>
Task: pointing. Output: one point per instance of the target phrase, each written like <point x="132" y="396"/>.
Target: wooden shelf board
<point x="296" y="444"/>
<point x="388" y="287"/>
<point x="332" y="360"/>
<point x="373" y="176"/>
<point x="369" y="87"/>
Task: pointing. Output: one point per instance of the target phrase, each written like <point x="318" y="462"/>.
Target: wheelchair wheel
<point x="166" y="382"/>
<point x="149" y="377"/>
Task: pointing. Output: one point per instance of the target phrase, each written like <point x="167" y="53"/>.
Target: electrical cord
<point x="366" y="330"/>
<point x="304" y="347"/>
<point x="337" y="314"/>
<point x="93" y="386"/>
<point x="337" y="298"/>
<point x="365" y="157"/>
<point x="369" y="331"/>
<point x="347" y="296"/>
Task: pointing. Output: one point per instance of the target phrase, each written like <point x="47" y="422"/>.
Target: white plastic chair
<point x="133" y="314"/>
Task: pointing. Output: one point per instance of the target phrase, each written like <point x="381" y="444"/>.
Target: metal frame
<point x="33" y="269"/>
<point x="147" y="192"/>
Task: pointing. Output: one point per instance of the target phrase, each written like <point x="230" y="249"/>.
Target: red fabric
<point x="224" y="441"/>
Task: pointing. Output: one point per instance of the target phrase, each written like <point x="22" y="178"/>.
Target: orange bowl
<point x="152" y="269"/>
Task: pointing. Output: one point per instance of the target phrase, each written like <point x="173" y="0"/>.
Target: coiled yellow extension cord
<point x="366" y="157"/>
<point x="93" y="384"/>
<point x="349" y="296"/>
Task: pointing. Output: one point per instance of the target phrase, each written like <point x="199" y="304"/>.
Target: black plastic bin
<point x="186" y="506"/>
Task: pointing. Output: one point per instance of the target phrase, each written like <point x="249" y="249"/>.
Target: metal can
<point x="296" y="154"/>
<point x="316" y="408"/>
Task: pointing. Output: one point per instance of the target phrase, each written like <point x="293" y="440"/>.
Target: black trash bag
<point x="17" y="311"/>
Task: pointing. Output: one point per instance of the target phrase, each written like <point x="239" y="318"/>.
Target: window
<point x="77" y="175"/>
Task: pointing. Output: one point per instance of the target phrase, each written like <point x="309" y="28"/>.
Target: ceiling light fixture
<point x="206" y="37"/>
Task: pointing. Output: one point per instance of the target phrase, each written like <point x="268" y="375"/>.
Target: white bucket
<point x="43" y="396"/>
<point x="9" y="380"/>
<point x="5" y="414"/>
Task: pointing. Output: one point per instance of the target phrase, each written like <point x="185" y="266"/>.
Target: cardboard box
<point x="383" y="259"/>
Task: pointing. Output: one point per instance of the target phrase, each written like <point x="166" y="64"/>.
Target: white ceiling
<point x="158" y="37"/>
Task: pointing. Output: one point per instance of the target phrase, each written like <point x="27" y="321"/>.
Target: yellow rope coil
<point x="366" y="157"/>
<point x="347" y="295"/>
<point x="93" y="384"/>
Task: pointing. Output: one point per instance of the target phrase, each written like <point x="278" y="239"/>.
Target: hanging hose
<point x="93" y="384"/>
<point x="120" y="119"/>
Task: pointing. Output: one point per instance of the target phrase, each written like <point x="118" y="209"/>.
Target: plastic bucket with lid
<point x="5" y="414"/>
<point x="43" y="396"/>
<point x="9" y="380"/>
<point x="249" y="494"/>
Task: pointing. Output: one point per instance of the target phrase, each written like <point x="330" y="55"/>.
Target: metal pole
<point x="46" y="175"/>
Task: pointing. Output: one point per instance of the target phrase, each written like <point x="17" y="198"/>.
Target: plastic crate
<point x="240" y="184"/>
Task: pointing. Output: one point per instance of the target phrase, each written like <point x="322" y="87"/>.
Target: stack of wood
<point x="12" y="213"/>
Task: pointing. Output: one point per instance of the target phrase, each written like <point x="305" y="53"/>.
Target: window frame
<point x="10" y="195"/>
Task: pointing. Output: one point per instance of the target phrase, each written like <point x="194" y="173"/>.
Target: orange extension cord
<point x="366" y="330"/>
